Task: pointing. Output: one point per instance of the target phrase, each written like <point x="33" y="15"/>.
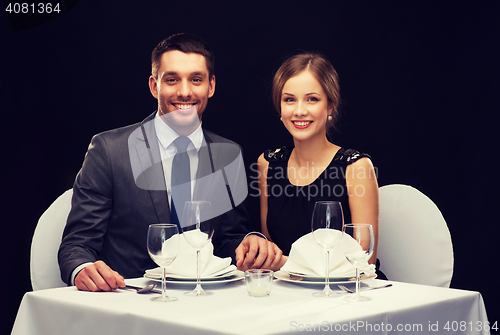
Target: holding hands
<point x="255" y="252"/>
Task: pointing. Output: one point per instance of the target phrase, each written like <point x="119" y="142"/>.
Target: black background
<point x="417" y="81"/>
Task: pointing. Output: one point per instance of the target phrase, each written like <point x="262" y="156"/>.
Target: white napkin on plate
<point x="307" y="257"/>
<point x="185" y="263"/>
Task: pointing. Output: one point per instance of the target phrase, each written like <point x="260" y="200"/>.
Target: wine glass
<point x="163" y="247"/>
<point x="326" y="224"/>
<point x="198" y="229"/>
<point x="363" y="234"/>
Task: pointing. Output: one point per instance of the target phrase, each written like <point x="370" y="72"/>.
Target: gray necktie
<point x="181" y="179"/>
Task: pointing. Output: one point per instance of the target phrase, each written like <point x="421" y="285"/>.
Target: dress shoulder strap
<point x="349" y="156"/>
<point x="277" y="155"/>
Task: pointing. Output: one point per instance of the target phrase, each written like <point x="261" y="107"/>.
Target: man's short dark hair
<point x="187" y="43"/>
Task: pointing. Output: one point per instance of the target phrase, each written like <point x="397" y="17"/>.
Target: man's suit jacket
<point x="120" y="190"/>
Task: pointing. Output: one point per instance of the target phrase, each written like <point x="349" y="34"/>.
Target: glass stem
<point x="198" y="274"/>
<point x="327" y="271"/>
<point x="357" y="283"/>
<point x="164" y="284"/>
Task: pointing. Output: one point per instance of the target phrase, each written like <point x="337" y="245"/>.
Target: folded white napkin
<point x="185" y="263"/>
<point x="308" y="257"/>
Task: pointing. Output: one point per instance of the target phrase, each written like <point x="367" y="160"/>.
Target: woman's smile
<point x="302" y="124"/>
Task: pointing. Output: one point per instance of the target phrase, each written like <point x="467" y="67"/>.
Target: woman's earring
<point x="330" y="117"/>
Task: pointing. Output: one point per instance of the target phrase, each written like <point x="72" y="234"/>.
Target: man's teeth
<point x="302" y="123"/>
<point x="183" y="106"/>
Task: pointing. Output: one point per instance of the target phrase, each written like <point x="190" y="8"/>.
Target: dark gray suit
<point x="121" y="190"/>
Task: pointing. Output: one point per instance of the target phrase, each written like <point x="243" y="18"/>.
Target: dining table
<point x="290" y="308"/>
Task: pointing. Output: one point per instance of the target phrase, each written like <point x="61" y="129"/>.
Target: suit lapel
<point x="149" y="156"/>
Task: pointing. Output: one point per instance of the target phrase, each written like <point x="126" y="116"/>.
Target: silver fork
<point x="345" y="289"/>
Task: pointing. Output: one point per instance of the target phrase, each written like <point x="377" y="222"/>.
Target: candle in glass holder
<point x="259" y="282"/>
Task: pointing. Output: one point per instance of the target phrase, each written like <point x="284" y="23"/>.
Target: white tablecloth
<point x="291" y="308"/>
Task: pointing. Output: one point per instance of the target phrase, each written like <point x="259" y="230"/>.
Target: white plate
<point x="157" y="275"/>
<point x="282" y="275"/>
<point x="235" y="275"/>
<point x="317" y="278"/>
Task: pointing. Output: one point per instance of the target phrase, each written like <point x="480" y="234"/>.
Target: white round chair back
<point x="414" y="241"/>
<point x="44" y="268"/>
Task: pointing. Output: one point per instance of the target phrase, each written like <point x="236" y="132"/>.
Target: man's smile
<point x="183" y="105"/>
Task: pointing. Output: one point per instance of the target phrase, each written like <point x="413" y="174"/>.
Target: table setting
<point x="326" y="282"/>
<point x="306" y="262"/>
<point x="183" y="268"/>
<point x="175" y="253"/>
<point x="185" y="257"/>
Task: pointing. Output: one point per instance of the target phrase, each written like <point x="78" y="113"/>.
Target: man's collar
<point x="166" y="135"/>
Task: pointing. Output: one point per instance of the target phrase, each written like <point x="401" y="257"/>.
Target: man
<point x="127" y="180"/>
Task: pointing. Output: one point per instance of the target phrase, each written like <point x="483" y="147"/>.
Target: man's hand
<point x="98" y="277"/>
<point x="257" y="253"/>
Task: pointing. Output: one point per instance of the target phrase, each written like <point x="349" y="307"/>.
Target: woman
<point x="291" y="180"/>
